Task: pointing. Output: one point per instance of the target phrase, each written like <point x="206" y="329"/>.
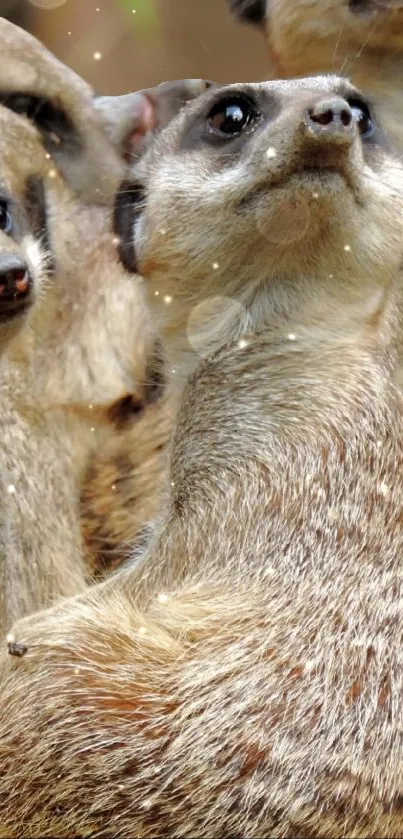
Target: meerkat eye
<point x="232" y="115"/>
<point x="6" y="222"/>
<point x="363" y="118"/>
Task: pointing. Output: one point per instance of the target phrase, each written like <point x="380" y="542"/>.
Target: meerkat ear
<point x="129" y="203"/>
<point x="249" y="11"/>
<point x="129" y="119"/>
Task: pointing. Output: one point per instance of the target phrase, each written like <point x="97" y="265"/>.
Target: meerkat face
<point x="23" y="228"/>
<point x="319" y="35"/>
<point x="259" y="184"/>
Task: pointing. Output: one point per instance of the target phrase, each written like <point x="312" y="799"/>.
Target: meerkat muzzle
<point x="15" y="285"/>
<point x="332" y="117"/>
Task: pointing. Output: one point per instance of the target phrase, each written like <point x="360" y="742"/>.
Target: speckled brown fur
<point x="65" y="382"/>
<point x="244" y="678"/>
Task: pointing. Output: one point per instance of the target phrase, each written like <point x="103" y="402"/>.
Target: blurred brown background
<point x="121" y="45"/>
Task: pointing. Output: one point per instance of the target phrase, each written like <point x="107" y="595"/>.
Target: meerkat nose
<point x="14" y="278"/>
<point x="332" y="118"/>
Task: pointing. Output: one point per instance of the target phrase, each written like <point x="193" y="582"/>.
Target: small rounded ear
<point x="126" y="120"/>
<point x="129" y="119"/>
<point x="168" y="98"/>
<point x="250" y="11"/>
<point x="129" y="203"/>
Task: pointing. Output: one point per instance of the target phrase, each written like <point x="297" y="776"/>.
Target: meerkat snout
<point x="24" y="238"/>
<point x="15" y="284"/>
<point x="332" y="116"/>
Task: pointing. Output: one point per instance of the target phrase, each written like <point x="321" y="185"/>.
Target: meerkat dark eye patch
<point x="6" y="218"/>
<point x="360" y="7"/>
<point x="249" y="11"/>
<point x="35" y="208"/>
<point x="129" y="203"/>
<point x="56" y="126"/>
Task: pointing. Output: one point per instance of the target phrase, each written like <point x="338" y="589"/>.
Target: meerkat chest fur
<point x="252" y="657"/>
<point x="285" y="475"/>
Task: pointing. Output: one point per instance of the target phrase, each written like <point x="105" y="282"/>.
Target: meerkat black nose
<point x="332" y="117"/>
<point x="15" y="280"/>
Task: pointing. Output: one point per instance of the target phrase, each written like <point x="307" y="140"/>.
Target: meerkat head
<point x="266" y="194"/>
<point x="89" y="137"/>
<point x="306" y="36"/>
<point x="24" y="253"/>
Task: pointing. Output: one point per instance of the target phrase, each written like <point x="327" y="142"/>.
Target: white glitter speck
<point x="383" y="489"/>
<point x="291" y="336"/>
<point x="113" y="487"/>
<point x="315" y="195"/>
<point x="242" y="343"/>
<point x="167" y="298"/>
<point x="347" y="248"/>
<point x="162" y="231"/>
<point x="271" y="153"/>
<point x="215" y="266"/>
<point x="76" y="671"/>
<point x="97" y="56"/>
<point x="52" y="173"/>
<point x="116" y="240"/>
<point x="172" y="483"/>
<point x="156" y="293"/>
<point x="11" y="489"/>
<point x="10" y="638"/>
<point x="147" y="804"/>
<point x="92" y="429"/>
<point x="330" y="276"/>
<point x="162" y="598"/>
<point x="142" y="630"/>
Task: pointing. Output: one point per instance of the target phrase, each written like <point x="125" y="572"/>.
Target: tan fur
<point x="92" y="351"/>
<point x="316" y="36"/>
<point x="245" y="678"/>
<point x="48" y="376"/>
<point x="122" y="489"/>
<point x="87" y="351"/>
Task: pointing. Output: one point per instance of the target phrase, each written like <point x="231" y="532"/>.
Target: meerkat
<point x="361" y="38"/>
<point x="45" y="438"/>
<point x="91" y="355"/>
<point x="243" y="676"/>
<point x="93" y="349"/>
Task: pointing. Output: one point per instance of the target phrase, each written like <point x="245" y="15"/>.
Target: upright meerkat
<point x="95" y="348"/>
<point x="84" y="371"/>
<point x="244" y="679"/>
<point x="361" y="38"/>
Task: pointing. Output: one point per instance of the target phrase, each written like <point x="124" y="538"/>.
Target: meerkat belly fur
<point x="244" y="678"/>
